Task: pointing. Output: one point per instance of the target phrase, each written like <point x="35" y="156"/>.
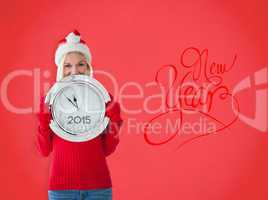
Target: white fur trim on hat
<point x="72" y="42"/>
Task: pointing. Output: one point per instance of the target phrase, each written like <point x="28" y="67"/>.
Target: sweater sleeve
<point x="110" y="136"/>
<point x="44" y="133"/>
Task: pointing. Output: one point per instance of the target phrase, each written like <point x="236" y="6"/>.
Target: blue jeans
<point x="98" y="194"/>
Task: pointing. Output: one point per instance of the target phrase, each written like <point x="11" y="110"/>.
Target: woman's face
<point x="75" y="63"/>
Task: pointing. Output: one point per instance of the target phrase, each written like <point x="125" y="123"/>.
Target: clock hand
<point x="75" y="100"/>
<point x="71" y="101"/>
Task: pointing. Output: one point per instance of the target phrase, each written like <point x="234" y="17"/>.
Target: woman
<point x="78" y="169"/>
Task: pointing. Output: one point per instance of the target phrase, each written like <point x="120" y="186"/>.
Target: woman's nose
<point x="74" y="70"/>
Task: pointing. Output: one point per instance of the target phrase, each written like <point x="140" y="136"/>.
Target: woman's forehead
<point x="74" y="56"/>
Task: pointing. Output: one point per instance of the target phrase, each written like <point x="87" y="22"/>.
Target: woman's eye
<point x="82" y="64"/>
<point x="67" y="66"/>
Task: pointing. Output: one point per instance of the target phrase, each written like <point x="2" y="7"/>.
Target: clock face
<point x="78" y="108"/>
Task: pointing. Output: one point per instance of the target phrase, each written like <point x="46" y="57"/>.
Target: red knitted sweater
<point x="78" y="165"/>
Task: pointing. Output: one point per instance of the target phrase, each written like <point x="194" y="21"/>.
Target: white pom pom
<point x="72" y="38"/>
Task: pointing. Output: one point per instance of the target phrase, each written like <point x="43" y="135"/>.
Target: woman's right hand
<point x="44" y="115"/>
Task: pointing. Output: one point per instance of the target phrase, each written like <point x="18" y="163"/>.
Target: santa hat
<point x="71" y="43"/>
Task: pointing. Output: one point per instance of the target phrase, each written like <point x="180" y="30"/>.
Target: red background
<point x="131" y="40"/>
